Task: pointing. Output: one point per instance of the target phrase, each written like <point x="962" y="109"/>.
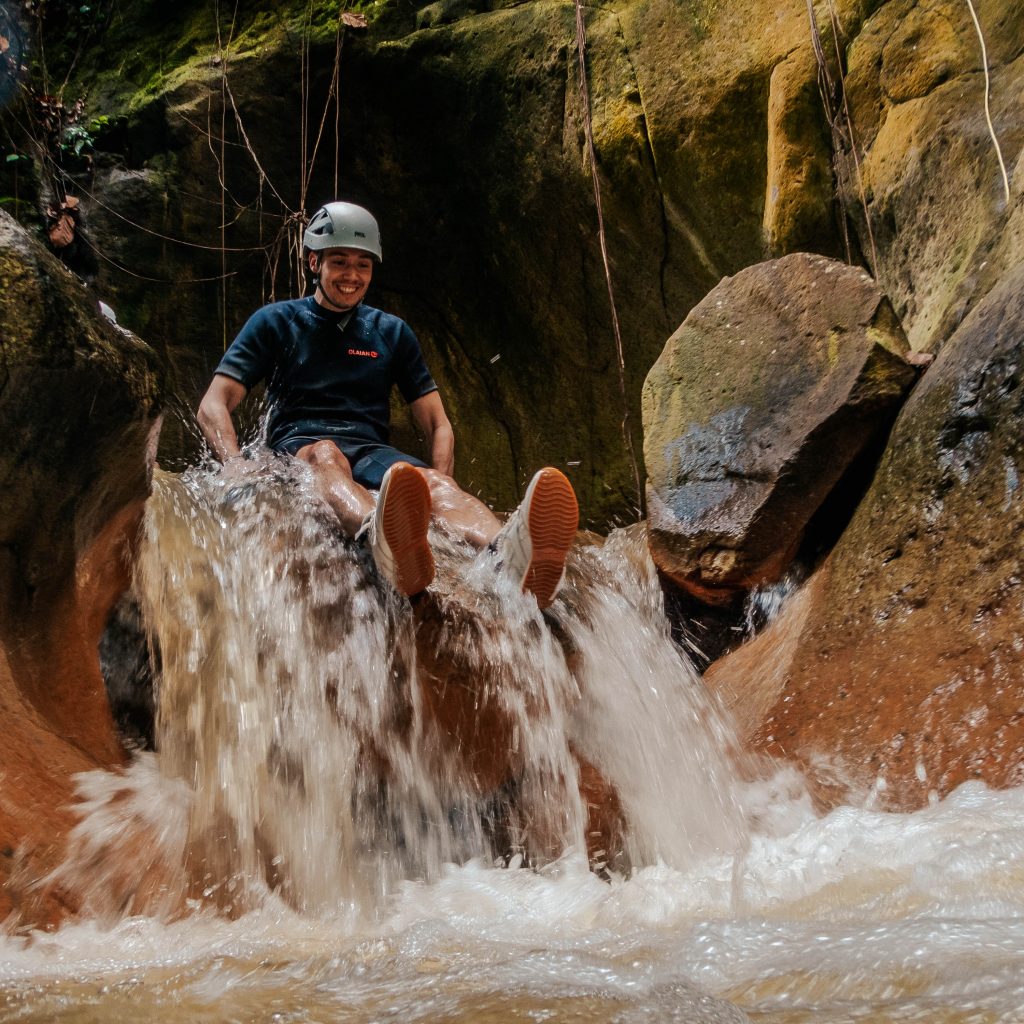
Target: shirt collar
<point x="339" y="319"/>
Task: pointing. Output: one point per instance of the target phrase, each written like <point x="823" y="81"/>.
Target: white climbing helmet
<point x="343" y="225"/>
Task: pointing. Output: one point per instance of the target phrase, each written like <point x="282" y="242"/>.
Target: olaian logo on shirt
<point x="367" y="353"/>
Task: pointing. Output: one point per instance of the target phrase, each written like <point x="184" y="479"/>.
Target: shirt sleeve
<point x="412" y="376"/>
<point x="250" y="357"/>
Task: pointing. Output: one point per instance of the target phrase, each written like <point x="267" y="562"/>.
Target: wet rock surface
<point x="760" y="402"/>
<point x="78" y="400"/>
<point x="900" y="672"/>
<point x="463" y="129"/>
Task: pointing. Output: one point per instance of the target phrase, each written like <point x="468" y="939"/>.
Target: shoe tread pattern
<point x="553" y="520"/>
<point x="405" y="520"/>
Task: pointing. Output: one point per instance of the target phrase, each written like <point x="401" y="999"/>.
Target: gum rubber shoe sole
<point x="404" y="522"/>
<point x="553" y="517"/>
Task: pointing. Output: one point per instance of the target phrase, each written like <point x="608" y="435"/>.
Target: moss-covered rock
<point x="466" y="136"/>
<point x="928" y="183"/>
<point x="899" y="670"/>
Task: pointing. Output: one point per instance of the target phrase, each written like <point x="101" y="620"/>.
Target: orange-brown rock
<point x="471" y="702"/>
<point x="899" y="670"/>
<point x="78" y="402"/>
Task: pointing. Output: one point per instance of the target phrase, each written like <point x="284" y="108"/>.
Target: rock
<point x="78" y="403"/>
<point x="929" y="183"/>
<point x="128" y="674"/>
<point x="760" y="402"/>
<point x="897" y="673"/>
<point x="473" y="727"/>
<point x="472" y="152"/>
<point x="444" y="12"/>
<point x="800" y="191"/>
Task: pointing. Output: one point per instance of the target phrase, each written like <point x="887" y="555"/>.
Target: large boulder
<point x="79" y="400"/>
<point x="757" y="406"/>
<point x="899" y="670"/>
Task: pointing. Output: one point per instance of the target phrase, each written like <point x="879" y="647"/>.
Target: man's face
<point x="344" y="276"/>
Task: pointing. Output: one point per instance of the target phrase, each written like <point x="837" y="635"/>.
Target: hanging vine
<point x="588" y="127"/>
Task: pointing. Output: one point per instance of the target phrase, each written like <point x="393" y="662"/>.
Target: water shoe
<point x="535" y="541"/>
<point x="397" y="530"/>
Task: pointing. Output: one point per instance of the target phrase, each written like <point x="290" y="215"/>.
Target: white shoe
<point x="397" y="530"/>
<point x="535" y="541"/>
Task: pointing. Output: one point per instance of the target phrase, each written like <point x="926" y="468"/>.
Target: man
<point x="330" y="362"/>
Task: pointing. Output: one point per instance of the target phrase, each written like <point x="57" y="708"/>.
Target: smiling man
<point x="330" y="362"/>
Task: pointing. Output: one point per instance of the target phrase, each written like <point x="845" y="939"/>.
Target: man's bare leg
<point x="535" y="541"/>
<point x="537" y="537"/>
<point x="468" y="516"/>
<point x="351" y="502"/>
<point x="396" y="522"/>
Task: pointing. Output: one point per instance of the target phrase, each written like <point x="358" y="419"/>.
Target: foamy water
<point x="856" y="916"/>
<point x="353" y="892"/>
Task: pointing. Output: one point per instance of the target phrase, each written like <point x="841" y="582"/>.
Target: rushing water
<point x="311" y="844"/>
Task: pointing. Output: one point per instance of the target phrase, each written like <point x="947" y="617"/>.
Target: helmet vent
<point x="341" y="224"/>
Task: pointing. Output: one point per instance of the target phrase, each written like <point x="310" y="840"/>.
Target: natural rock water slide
<point x="891" y="677"/>
<point x="79" y="401"/>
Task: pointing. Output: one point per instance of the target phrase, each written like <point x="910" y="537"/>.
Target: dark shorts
<point x="368" y="459"/>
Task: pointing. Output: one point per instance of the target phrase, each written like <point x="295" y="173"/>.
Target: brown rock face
<point x="475" y="731"/>
<point x="773" y="385"/>
<point x="942" y="229"/>
<point x="899" y="669"/>
<point x="78" y="400"/>
<point x="712" y="155"/>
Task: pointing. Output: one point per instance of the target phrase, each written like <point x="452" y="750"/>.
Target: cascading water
<point x="338" y="772"/>
<point x="309" y="709"/>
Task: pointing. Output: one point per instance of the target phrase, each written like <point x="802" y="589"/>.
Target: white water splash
<point x="857" y="916"/>
<point x="336" y="742"/>
<point x="347" y="913"/>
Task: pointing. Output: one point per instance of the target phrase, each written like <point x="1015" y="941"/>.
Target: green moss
<point x="158" y="52"/>
<point x="703" y="13"/>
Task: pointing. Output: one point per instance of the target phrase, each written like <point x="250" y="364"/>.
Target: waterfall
<point x="334" y="740"/>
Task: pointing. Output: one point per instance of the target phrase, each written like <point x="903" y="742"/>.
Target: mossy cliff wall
<point x="463" y="129"/>
<point x="460" y="123"/>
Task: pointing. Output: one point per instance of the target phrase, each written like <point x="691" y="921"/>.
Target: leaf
<point x="5" y="44"/>
<point x="354" y="20"/>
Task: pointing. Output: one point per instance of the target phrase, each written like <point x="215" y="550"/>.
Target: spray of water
<point x="332" y="740"/>
<point x="328" y="753"/>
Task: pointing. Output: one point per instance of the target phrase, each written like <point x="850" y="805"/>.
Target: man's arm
<point x="214" y="415"/>
<point x="429" y="415"/>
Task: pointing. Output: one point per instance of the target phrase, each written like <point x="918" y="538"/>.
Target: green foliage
<point x="77" y="138"/>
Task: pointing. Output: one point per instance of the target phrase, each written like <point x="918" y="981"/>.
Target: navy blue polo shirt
<point x="327" y="373"/>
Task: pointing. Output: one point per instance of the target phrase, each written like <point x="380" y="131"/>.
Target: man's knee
<point x="323" y="455"/>
<point x="441" y="485"/>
